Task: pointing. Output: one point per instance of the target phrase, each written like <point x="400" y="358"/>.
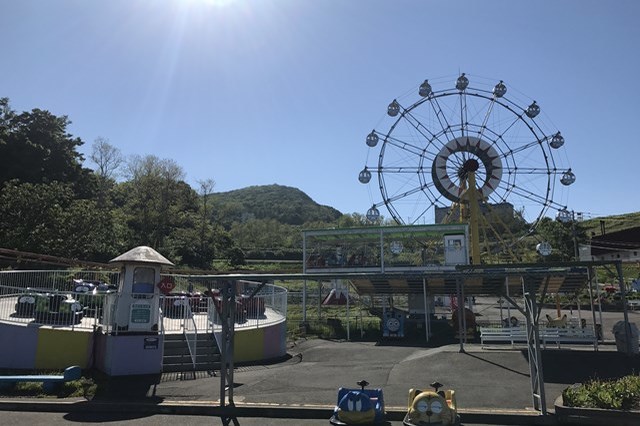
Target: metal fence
<point x="192" y="304"/>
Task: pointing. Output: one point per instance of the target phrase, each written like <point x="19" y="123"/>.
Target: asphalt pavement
<point x="492" y="385"/>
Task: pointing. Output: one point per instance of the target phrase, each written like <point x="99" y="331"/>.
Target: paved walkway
<point x="492" y="385"/>
<point x="484" y="379"/>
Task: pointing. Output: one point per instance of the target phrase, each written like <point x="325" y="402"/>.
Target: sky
<point x="260" y="92"/>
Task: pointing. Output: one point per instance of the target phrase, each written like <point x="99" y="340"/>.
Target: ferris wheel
<point x="467" y="139"/>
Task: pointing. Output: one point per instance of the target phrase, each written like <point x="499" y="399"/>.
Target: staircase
<point x="177" y="358"/>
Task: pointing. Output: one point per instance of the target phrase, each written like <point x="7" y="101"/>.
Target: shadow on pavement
<point x="566" y="366"/>
<point x="102" y="417"/>
<point x="129" y="388"/>
<point x="480" y="358"/>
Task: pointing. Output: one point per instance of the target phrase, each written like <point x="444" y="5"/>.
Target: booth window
<point x="143" y="280"/>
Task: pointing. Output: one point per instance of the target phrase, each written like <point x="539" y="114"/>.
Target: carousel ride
<point x="468" y="153"/>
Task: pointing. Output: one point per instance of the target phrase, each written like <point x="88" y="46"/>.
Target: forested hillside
<point x="54" y="201"/>
<point x="285" y="204"/>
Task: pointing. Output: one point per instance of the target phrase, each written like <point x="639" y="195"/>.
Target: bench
<point x="50" y="383"/>
<point x="547" y="335"/>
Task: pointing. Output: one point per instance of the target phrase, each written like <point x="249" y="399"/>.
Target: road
<point x="54" y="419"/>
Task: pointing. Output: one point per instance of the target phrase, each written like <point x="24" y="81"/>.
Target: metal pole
<point x="623" y="299"/>
<point x="591" y="276"/>
<point x="464" y="311"/>
<point x="227" y="340"/>
<point x="575" y="237"/>
<point x="304" y="302"/>
<point x="506" y="284"/>
<point x="459" y="296"/>
<point x="381" y="251"/>
<point x="319" y="299"/>
<point x="535" y="358"/>
<point x="599" y="303"/>
<point x="348" y="319"/>
<point x="426" y="309"/>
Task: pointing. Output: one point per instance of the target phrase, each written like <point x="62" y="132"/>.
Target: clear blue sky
<point x="254" y="92"/>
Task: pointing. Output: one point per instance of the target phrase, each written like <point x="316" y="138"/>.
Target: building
<point x="503" y="210"/>
<point x="620" y="245"/>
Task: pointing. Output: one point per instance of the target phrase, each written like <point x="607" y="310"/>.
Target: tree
<point x="106" y="157"/>
<point x="207" y="252"/>
<point x="48" y="218"/>
<point x="36" y="148"/>
<point x="561" y="237"/>
<point x="156" y="201"/>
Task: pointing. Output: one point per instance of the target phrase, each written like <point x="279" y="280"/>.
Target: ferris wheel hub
<point x="459" y="157"/>
<point x="471" y="165"/>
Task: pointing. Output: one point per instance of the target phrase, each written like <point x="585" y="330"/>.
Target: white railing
<point x="255" y="307"/>
<point x="50" y="307"/>
<point x="190" y="331"/>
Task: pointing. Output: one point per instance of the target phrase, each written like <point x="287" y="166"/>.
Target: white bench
<point x="547" y="335"/>
<point x="503" y="335"/>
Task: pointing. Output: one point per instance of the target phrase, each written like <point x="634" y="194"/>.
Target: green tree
<point x="35" y="147"/>
<point x="563" y="237"/>
<point x="47" y="218"/>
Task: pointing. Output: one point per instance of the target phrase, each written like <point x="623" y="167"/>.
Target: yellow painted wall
<point x="62" y="348"/>
<point x="248" y="345"/>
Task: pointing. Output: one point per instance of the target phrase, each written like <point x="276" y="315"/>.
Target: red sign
<point x="166" y="286"/>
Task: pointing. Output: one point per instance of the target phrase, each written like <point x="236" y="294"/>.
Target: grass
<point x="82" y="388"/>
<point x="620" y="394"/>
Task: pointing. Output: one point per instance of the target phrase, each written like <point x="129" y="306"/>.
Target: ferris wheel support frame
<point x="474" y="212"/>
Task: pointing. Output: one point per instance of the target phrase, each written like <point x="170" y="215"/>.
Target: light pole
<point x="566" y="216"/>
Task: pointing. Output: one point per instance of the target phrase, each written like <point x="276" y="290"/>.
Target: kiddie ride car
<point x="26" y="304"/>
<point x="358" y="406"/>
<point x="58" y="308"/>
<point x="91" y="293"/>
<point x="430" y="407"/>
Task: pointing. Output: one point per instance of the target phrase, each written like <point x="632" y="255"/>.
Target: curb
<point x="77" y="405"/>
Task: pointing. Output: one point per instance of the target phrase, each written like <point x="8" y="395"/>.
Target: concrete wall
<point x="260" y="343"/>
<point x="44" y="348"/>
<point x="33" y="347"/>
<point x="129" y="355"/>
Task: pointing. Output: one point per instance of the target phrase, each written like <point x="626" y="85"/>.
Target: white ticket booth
<point x="133" y="345"/>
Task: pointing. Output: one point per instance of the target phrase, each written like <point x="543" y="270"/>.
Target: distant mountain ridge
<point x="284" y="204"/>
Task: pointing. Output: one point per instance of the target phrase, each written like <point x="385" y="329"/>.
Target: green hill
<point x="284" y="204"/>
<point x="611" y="223"/>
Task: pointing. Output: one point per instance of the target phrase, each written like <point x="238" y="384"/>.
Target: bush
<point x="621" y="394"/>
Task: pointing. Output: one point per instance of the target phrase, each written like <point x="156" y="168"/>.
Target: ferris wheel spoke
<point x="406" y="194"/>
<point x="445" y="127"/>
<point x="519" y="149"/>
<point x="398" y="170"/>
<point x="463" y="113"/>
<point x="431" y="137"/>
<point x="534" y="171"/>
<point x="543" y="200"/>
<point x="407" y="147"/>
<point x="515" y="121"/>
<point x="485" y="120"/>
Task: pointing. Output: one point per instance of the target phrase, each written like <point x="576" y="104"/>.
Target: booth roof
<point x="142" y="254"/>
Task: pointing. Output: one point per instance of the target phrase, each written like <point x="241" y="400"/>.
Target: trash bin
<point x="621" y="338"/>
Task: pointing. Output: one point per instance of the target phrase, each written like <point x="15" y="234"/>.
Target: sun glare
<point x="217" y="3"/>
